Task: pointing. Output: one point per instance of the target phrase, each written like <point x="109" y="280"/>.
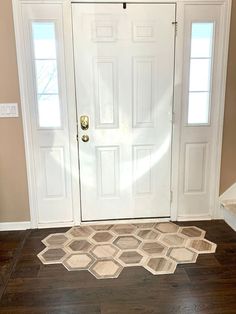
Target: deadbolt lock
<point x="84" y="122"/>
<point x="85" y="138"/>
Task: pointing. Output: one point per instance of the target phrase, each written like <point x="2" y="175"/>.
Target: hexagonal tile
<point x="148" y="234"/>
<point x="192" y="232"/>
<point x="154" y="248"/>
<point x="166" y="227"/>
<point x="183" y="255"/>
<point x="56" y="239"/>
<point x="145" y="225"/>
<point x="124" y="229"/>
<point x="79" y="246"/>
<point x="79" y="261"/>
<point x="108" y="268"/>
<point x="80" y="232"/>
<point x="104" y="251"/>
<point x="160" y="265"/>
<point x="173" y="240"/>
<point x="127" y="242"/>
<point x="52" y="255"/>
<point x="102" y="237"/>
<point x="101" y="227"/>
<point x="201" y="246"/>
<point x="131" y="258"/>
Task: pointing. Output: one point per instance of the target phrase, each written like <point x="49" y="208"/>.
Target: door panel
<point x="48" y="98"/>
<point x="124" y="82"/>
<point x="199" y="111"/>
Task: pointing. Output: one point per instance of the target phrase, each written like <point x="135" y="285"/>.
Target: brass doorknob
<point x="84" y="122"/>
<point x="85" y="138"/>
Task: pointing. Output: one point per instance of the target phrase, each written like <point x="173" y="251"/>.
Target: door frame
<point x="70" y="85"/>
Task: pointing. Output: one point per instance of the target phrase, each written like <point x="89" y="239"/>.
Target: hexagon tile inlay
<point x="79" y="246"/>
<point x="123" y="229"/>
<point x="201" y="246"/>
<point x="101" y="227"/>
<point x="80" y="232"/>
<point x="167" y="227"/>
<point x="127" y="242"/>
<point x="52" y="255"/>
<point x="130" y="258"/>
<point x="57" y="239"/>
<point x="173" y="240"/>
<point x="109" y="268"/>
<point x="148" y="234"/>
<point x="104" y="250"/>
<point x="154" y="248"/>
<point x="102" y="237"/>
<point x="192" y="232"/>
<point x="183" y="255"/>
<point x="79" y="261"/>
<point x="160" y="265"/>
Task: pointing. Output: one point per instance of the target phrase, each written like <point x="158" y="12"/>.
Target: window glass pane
<point x="49" y="111"/>
<point x="46" y="76"/>
<point x="198" y="111"/>
<point x="44" y="40"/>
<point x="200" y="75"/>
<point x="46" y="72"/>
<point x="201" y="43"/>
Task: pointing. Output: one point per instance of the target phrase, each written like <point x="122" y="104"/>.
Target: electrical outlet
<point x="9" y="110"/>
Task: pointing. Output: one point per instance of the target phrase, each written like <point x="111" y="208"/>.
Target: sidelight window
<point x="199" y="96"/>
<point x="45" y="60"/>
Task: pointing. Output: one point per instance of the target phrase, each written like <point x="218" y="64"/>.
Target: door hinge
<point x="171" y="196"/>
<point x="77" y="137"/>
<point x="176" y="27"/>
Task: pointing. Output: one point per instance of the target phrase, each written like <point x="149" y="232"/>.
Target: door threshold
<point x="126" y="220"/>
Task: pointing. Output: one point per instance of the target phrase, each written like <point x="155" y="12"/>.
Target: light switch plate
<point x="9" y="110"/>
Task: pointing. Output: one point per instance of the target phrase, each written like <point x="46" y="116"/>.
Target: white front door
<point x="124" y="64"/>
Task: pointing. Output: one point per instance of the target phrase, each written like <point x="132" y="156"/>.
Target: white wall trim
<point x="20" y="225"/>
<point x="27" y="131"/>
<point x="194" y="217"/>
<point x="229" y="217"/>
<point x="216" y="212"/>
<point x="55" y="225"/>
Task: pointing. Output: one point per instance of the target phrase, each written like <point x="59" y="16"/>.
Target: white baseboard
<point x="230" y="218"/>
<point x="229" y="194"/>
<point x="19" y="225"/>
<point x="194" y="217"/>
<point x="55" y="224"/>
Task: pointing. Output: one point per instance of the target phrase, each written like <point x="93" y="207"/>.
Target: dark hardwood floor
<point x="27" y="286"/>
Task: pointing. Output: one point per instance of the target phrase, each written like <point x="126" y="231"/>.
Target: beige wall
<point x="13" y="183"/>
<point x="228" y="165"/>
<point x="14" y="204"/>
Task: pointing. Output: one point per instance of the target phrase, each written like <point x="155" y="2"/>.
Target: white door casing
<point x="124" y="66"/>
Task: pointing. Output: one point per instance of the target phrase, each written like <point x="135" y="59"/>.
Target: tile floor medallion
<point x="104" y="250"/>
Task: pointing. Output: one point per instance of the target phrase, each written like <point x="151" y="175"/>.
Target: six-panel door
<point x="124" y="64"/>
